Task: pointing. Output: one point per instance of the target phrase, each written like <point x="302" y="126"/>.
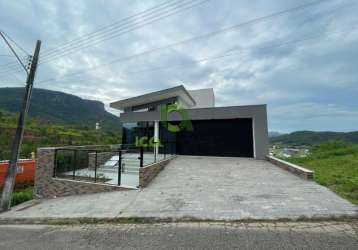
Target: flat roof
<point x="177" y="91"/>
<point x="210" y="113"/>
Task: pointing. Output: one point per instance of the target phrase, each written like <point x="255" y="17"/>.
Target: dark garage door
<point x="232" y="137"/>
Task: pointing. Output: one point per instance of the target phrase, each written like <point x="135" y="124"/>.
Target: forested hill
<point x="58" y="107"/>
<point x="313" y="138"/>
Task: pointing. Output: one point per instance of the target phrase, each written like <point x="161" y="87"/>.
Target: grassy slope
<point x="336" y="167"/>
<point x="39" y="134"/>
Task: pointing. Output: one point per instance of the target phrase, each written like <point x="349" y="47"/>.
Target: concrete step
<point x="111" y="171"/>
<point x="127" y="164"/>
<point x="130" y="172"/>
<point x="114" y="169"/>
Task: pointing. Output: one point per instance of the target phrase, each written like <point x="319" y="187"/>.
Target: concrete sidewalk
<point x="202" y="188"/>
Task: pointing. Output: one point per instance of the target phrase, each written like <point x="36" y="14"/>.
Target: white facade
<point x="204" y="98"/>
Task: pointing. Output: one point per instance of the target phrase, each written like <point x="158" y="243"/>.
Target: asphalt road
<point x="322" y="235"/>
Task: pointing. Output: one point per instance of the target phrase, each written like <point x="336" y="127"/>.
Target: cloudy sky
<point x="301" y="62"/>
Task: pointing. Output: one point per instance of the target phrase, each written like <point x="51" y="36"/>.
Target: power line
<point x="11" y="65"/>
<point x="248" y="23"/>
<point x="16" y="44"/>
<point x="228" y="53"/>
<point x="103" y="28"/>
<point x="178" y="9"/>
<point x="231" y="28"/>
<point x="121" y="31"/>
<point x="11" y="74"/>
<point x="214" y="33"/>
<point x="2" y="34"/>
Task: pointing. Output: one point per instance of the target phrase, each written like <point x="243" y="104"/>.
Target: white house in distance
<point x="233" y="131"/>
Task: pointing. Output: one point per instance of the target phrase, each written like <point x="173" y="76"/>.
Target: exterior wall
<point x="25" y="174"/>
<point x="153" y="104"/>
<point x="204" y="98"/>
<point x="48" y="187"/>
<point x="182" y="103"/>
<point x="257" y="112"/>
<point x="148" y="173"/>
<point x="102" y="158"/>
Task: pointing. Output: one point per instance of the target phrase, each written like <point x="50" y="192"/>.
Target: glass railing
<point x="110" y="164"/>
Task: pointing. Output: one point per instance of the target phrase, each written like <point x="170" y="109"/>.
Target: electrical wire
<point x="102" y="29"/>
<point x="16" y="44"/>
<point x="244" y="24"/>
<point x="123" y="30"/>
<point x="207" y="35"/>
<point x="177" y="8"/>
<point x="231" y="52"/>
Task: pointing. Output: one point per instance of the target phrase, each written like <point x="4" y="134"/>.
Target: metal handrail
<point x="74" y="159"/>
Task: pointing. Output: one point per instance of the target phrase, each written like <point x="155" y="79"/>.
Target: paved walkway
<point x="212" y="188"/>
<point x="250" y="236"/>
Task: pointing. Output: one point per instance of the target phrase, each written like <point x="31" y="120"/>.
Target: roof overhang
<point x="178" y="91"/>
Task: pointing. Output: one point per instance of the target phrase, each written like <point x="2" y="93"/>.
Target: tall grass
<point x="336" y="166"/>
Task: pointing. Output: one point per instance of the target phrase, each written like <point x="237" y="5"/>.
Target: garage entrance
<point x="228" y="137"/>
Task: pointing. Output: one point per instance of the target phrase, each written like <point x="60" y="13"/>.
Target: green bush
<point x="22" y="196"/>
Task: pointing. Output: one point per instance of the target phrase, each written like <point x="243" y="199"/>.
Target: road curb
<point x="151" y="220"/>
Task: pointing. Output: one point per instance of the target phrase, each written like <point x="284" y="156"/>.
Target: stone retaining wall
<point x="48" y="187"/>
<point x="149" y="172"/>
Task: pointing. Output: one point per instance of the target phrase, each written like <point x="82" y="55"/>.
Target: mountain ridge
<point x="300" y="138"/>
<point x="58" y="107"/>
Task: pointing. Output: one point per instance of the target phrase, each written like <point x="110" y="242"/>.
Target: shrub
<point x="22" y="196"/>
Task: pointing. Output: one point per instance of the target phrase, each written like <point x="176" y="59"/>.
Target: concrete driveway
<point x="212" y="188"/>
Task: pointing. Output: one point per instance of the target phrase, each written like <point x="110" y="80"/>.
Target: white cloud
<point x="287" y="77"/>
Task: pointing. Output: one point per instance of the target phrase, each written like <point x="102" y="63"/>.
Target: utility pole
<point x="16" y="146"/>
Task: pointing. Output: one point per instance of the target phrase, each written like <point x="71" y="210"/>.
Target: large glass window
<point x="132" y="131"/>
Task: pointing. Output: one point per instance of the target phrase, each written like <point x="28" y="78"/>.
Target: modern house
<point x="157" y="128"/>
<point x="196" y="125"/>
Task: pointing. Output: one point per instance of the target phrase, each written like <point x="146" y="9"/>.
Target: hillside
<point x="60" y="108"/>
<point x="274" y="134"/>
<point x="39" y="134"/>
<point x="336" y="166"/>
<point x="300" y="138"/>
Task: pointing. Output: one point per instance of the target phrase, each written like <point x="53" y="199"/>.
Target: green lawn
<point x="336" y="167"/>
